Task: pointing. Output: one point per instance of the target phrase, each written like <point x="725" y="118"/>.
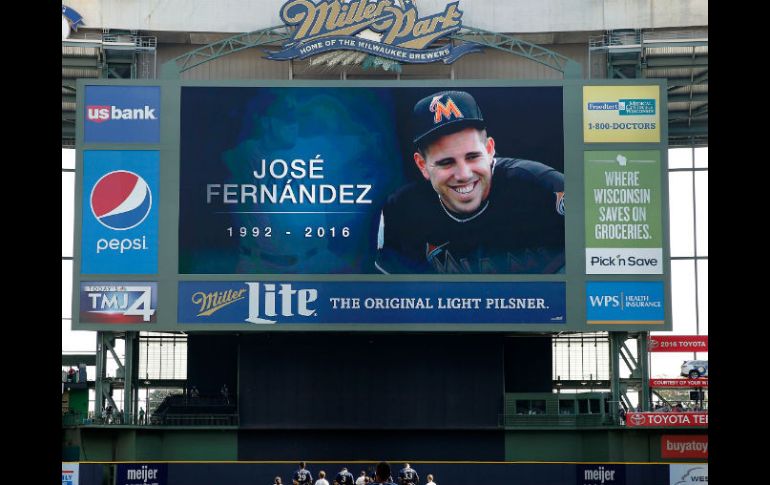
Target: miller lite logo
<point x="442" y="110"/>
<point x="266" y="301"/>
<point x="121" y="200"/>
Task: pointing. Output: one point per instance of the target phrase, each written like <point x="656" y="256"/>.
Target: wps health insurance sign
<point x="639" y="303"/>
<point x="122" y="114"/>
<point x="624" y="216"/>
<point x="327" y="302"/>
<point x="120" y="212"/>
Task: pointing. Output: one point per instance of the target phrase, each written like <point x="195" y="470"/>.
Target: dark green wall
<point x="212" y="444"/>
<point x="601" y="445"/>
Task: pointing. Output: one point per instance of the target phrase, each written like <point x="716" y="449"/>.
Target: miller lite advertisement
<point x="323" y="302"/>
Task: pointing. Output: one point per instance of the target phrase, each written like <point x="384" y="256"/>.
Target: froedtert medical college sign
<point x="384" y="28"/>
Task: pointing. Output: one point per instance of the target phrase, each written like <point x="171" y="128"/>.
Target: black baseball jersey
<point x="408" y="476"/>
<point x="345" y="478"/>
<point x="518" y="229"/>
<point x="303" y="477"/>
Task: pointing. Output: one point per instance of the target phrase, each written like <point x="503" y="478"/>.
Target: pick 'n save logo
<point x="121" y="200"/>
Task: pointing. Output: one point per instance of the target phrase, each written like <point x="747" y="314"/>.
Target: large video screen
<point x="329" y="180"/>
<point x="407" y="206"/>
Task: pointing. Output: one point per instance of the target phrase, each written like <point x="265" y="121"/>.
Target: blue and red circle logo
<point x="121" y="200"/>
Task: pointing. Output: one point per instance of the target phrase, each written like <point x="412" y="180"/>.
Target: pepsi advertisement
<point x="269" y="303"/>
<point x="120" y="212"/>
<point x="381" y="180"/>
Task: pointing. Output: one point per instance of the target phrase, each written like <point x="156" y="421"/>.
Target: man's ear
<point x="421" y="165"/>
<point x="490" y="147"/>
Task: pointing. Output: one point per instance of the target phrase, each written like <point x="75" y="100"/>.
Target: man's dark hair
<point x="383" y="470"/>
<point x="426" y="142"/>
<point x="302" y="464"/>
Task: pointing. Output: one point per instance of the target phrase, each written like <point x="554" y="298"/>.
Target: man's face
<point x="459" y="167"/>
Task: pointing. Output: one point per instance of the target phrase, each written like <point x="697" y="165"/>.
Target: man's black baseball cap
<point x="443" y="113"/>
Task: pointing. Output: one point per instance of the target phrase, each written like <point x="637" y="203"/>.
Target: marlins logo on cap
<point x="444" y="113"/>
<point x="121" y="200"/>
<point x="449" y="109"/>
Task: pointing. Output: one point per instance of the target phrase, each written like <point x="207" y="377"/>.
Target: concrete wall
<point x="513" y="16"/>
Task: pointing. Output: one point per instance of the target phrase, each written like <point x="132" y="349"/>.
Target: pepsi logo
<point x="121" y="200"/>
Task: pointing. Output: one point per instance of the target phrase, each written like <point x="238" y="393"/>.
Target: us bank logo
<point x="625" y="303"/>
<point x="122" y="114"/>
<point x="120" y="216"/>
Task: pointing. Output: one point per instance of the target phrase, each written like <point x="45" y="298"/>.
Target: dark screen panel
<point x="212" y="360"/>
<point x="365" y="381"/>
<point x="528" y="364"/>
<point x="371" y="444"/>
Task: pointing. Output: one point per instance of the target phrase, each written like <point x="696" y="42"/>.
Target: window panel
<point x="680" y="158"/>
<point x="80" y="341"/>
<point x="68" y="158"/>
<point x="683" y="296"/>
<point x="702" y="157"/>
<point x="702" y="212"/>
<point x="681" y="214"/>
<point x="67" y="212"/>
<point x="66" y="288"/>
<point x="703" y="296"/>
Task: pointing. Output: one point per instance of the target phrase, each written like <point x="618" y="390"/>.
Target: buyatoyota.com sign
<point x="327" y="180"/>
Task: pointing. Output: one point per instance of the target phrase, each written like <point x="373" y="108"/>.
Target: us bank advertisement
<point x="624" y="217"/>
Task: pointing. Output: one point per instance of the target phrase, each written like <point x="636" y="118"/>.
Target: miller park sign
<point x="384" y="28"/>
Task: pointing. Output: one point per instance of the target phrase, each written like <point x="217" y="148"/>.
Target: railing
<point x="207" y="419"/>
<point x="140" y="42"/>
<point x="196" y="420"/>
<point x="555" y="420"/>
